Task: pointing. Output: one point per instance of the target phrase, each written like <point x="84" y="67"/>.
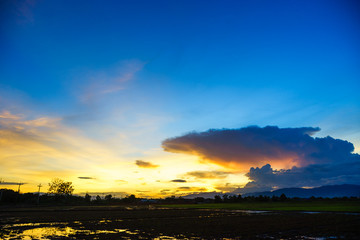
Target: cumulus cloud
<point x="178" y="180"/>
<point x="144" y="164"/>
<point x="256" y="146"/>
<point x="266" y="178"/>
<point x="208" y="174"/>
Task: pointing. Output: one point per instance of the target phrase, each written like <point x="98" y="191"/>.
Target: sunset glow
<point x="164" y="98"/>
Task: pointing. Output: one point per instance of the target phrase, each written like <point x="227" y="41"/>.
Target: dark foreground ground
<point x="153" y="223"/>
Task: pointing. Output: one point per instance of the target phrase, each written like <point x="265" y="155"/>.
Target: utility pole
<point x="1" y="191"/>
<point x="19" y="187"/>
<point x="38" y="200"/>
<point x="17" y="198"/>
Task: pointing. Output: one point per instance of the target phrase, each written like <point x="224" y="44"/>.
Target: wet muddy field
<point x="155" y="223"/>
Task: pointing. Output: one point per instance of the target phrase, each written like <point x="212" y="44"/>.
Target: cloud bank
<point x="266" y="178"/>
<point x="300" y="160"/>
<point x="255" y="146"/>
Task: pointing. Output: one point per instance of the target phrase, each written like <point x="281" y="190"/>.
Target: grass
<point x="316" y="206"/>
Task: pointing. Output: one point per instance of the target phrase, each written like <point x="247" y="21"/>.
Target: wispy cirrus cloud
<point x="98" y="84"/>
<point x="23" y="10"/>
<point x="7" y="115"/>
<point x="31" y="145"/>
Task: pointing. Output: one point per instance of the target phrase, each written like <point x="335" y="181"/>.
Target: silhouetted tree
<point x="108" y="197"/>
<point x="239" y="198"/>
<point x="170" y="199"/>
<point x="199" y="199"/>
<point x="9" y="196"/>
<point x="283" y="197"/>
<point x="60" y="187"/>
<point x="98" y="198"/>
<point x="225" y="198"/>
<point x="232" y="198"/>
<point x="132" y="198"/>
<point x="87" y="198"/>
<point x="274" y="198"/>
<point x="217" y="199"/>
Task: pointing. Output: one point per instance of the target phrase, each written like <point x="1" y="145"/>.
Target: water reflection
<point x="50" y="232"/>
<point x="143" y="225"/>
<point x="46" y="232"/>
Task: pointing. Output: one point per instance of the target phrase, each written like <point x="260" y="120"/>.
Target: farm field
<point x="313" y="206"/>
<point x="152" y="222"/>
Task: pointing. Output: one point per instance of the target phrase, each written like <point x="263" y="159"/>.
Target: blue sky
<point x="144" y="71"/>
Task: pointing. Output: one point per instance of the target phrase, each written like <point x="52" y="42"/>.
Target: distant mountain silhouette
<point x="345" y="190"/>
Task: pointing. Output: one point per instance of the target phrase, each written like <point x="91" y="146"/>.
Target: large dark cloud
<point x="256" y="146"/>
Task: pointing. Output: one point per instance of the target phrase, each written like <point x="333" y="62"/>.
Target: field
<point x="310" y="206"/>
<point x="155" y="222"/>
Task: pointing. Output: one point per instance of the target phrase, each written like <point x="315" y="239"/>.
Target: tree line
<point x="61" y="192"/>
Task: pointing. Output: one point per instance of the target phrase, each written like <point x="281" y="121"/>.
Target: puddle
<point x="16" y="225"/>
<point x="45" y="232"/>
<point x="105" y="221"/>
<point x="251" y="211"/>
<point x="39" y="233"/>
<point x="245" y="212"/>
<point x="49" y="231"/>
<point x="61" y="232"/>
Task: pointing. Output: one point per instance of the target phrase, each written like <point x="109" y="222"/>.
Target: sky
<point x="162" y="98"/>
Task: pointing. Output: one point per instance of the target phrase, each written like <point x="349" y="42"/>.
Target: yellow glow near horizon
<point x="34" y="151"/>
